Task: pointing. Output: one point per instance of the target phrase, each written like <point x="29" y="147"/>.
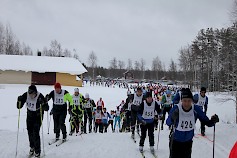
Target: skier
<point x="166" y="103"/>
<point x="182" y="118"/>
<point x="202" y="101"/>
<point x="98" y="114"/>
<point x="100" y="104"/>
<point x="127" y="109"/>
<point x="117" y="119"/>
<point x="137" y="99"/>
<point x="76" y="112"/>
<point x="59" y="110"/>
<point x="177" y="97"/>
<point x="105" y="119"/>
<point x="146" y="115"/>
<point x="111" y="120"/>
<point x="89" y="104"/>
<point x="36" y="105"/>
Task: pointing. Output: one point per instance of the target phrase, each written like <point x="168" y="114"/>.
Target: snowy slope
<point x="114" y="145"/>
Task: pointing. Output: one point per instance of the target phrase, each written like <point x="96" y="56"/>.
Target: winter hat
<point x="148" y="94"/>
<point x="76" y="90"/>
<point x="139" y="89"/>
<point x="57" y="85"/>
<point x="32" y="89"/>
<point x="203" y="89"/>
<point x="186" y="93"/>
<point x="87" y="96"/>
<point x="168" y="92"/>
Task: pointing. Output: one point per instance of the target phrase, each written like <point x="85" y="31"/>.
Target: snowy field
<point x="116" y="145"/>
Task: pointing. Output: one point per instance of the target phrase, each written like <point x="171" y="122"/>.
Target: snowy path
<point x="114" y="145"/>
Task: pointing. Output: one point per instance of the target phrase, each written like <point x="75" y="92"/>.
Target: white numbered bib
<point x="88" y="104"/>
<point x="168" y="99"/>
<point x="117" y="113"/>
<point x="31" y="103"/>
<point x="137" y="100"/>
<point x="99" y="103"/>
<point x="149" y="111"/>
<point x="59" y="98"/>
<point x="186" y="119"/>
<point x="76" y="100"/>
<point x="97" y="115"/>
<point x="201" y="100"/>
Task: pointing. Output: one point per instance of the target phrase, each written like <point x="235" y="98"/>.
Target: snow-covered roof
<point x="41" y="64"/>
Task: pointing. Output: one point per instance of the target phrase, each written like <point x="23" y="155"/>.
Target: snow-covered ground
<point x="114" y="145"/>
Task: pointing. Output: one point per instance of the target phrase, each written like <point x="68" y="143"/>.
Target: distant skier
<point x="76" y="112"/>
<point x="100" y="104"/>
<point x="177" y="96"/>
<point x="117" y="119"/>
<point x="36" y="105"/>
<point x="98" y="114"/>
<point x="202" y="101"/>
<point x="166" y="103"/>
<point x="127" y="109"/>
<point x="105" y="120"/>
<point x="111" y="120"/>
<point x="146" y="115"/>
<point x="59" y="110"/>
<point x="88" y="111"/>
<point x="182" y="118"/>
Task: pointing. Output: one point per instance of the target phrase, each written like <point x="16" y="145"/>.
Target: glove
<point x="215" y="118"/>
<point x="143" y="122"/>
<point x="47" y="98"/>
<point x="175" y="115"/>
<point x="160" y="117"/>
<point x="51" y="112"/>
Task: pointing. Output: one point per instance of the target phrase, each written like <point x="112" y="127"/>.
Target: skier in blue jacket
<point x="182" y="118"/>
<point x="146" y="115"/>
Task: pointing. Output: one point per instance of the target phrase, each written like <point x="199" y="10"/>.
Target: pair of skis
<point x="153" y="154"/>
<point x="142" y="152"/>
<point x="57" y="142"/>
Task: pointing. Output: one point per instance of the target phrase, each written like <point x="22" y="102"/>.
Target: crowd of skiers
<point x="142" y="110"/>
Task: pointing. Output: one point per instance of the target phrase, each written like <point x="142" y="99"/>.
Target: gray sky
<point x="114" y="28"/>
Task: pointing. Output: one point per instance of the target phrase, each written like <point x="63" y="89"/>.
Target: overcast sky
<point x="114" y="28"/>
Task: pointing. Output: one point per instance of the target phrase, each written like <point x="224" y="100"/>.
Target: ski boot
<point x="37" y="155"/>
<point x="141" y="149"/>
<point x="32" y="151"/>
<point x="152" y="149"/>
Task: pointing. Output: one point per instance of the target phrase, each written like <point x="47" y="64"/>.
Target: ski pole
<point x="18" y="126"/>
<point x="42" y="130"/>
<point x="214" y="139"/>
<point x="158" y="136"/>
<point x="48" y="120"/>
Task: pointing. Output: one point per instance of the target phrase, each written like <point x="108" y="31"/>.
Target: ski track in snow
<point x="109" y="144"/>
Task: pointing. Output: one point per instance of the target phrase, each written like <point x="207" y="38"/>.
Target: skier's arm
<point x="140" y="111"/>
<point x="203" y="117"/>
<point x="93" y="103"/>
<point x="21" y="100"/>
<point x="49" y="96"/>
<point x="206" y="105"/>
<point x="176" y="99"/>
<point x="157" y="108"/>
<point x="68" y="97"/>
<point x="41" y="100"/>
<point x="173" y="115"/>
